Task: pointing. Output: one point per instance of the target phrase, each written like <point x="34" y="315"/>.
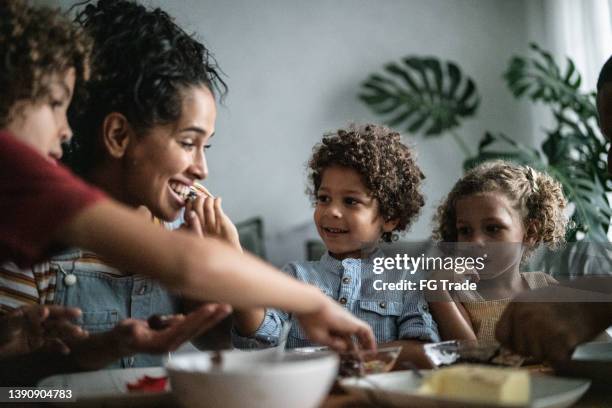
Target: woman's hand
<point x="133" y="336"/>
<point x="30" y="328"/>
<point x="333" y="326"/>
<point x="137" y="336"/>
<point x="205" y="217"/>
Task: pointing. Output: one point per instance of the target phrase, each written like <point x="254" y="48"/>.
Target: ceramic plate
<point x="108" y="388"/>
<point x="399" y="389"/>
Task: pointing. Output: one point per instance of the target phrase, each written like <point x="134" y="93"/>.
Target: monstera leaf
<point x="421" y="94"/>
<point x="541" y="79"/>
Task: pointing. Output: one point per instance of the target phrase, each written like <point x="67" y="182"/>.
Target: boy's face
<point x="43" y="125"/>
<point x="346" y="216"/>
<point x="604" y="107"/>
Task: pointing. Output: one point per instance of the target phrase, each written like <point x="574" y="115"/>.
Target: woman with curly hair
<point x="44" y="207"/>
<point x="501" y="211"/>
<point x="366" y="187"/>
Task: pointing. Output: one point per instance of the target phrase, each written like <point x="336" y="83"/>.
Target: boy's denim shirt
<point x="393" y="315"/>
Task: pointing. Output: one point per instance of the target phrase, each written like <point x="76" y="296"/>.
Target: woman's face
<point x="43" y="124"/>
<point x="161" y="164"/>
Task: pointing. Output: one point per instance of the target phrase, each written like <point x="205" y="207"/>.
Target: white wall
<point x="294" y="70"/>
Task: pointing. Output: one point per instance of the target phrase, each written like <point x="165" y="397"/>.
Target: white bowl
<point x="253" y="379"/>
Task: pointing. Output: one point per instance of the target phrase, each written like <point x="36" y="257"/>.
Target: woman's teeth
<point x="180" y="189"/>
<point x="334" y="230"/>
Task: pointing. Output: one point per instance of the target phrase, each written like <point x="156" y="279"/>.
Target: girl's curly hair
<point x="142" y="62"/>
<point x="36" y="43"/>
<point x="386" y="165"/>
<point x="537" y="197"/>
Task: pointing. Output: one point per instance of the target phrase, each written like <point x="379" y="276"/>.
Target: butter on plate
<point x="479" y="383"/>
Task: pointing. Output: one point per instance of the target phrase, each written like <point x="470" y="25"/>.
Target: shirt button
<point x="131" y="361"/>
<point x="343" y="301"/>
<point x="383" y="305"/>
<point x="346" y="280"/>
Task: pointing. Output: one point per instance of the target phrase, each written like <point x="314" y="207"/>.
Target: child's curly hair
<point x="537" y="197"/>
<point x="386" y="165"/>
<point x="35" y="43"/>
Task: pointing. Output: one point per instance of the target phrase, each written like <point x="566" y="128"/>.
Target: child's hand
<point x="137" y="336"/>
<point x="30" y="328"/>
<point x="333" y="326"/>
<point x="205" y="217"/>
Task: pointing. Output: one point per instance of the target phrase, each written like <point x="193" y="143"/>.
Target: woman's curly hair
<point x="36" y="43"/>
<point x="142" y="62"/>
<point x="536" y="196"/>
<point x="386" y="165"/>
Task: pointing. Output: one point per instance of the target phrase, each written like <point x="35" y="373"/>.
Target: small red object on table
<point x="149" y="384"/>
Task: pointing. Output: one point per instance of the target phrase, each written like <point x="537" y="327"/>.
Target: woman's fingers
<point x="193" y="223"/>
<point x="210" y="226"/>
<point x="219" y="216"/>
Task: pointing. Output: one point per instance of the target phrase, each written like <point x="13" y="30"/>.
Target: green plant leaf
<point x="541" y="78"/>
<point x="421" y="94"/>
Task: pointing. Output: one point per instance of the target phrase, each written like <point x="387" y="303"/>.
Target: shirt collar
<point x="337" y="266"/>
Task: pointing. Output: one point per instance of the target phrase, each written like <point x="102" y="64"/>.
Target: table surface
<point x="595" y="397"/>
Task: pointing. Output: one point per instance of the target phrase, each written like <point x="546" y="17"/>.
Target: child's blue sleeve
<point x="266" y="335"/>
<point x="416" y="322"/>
<point x="268" y="332"/>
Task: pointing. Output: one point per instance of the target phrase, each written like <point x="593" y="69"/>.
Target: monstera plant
<point x="425" y="95"/>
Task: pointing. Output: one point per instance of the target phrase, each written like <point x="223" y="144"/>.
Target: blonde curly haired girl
<point x="501" y="211"/>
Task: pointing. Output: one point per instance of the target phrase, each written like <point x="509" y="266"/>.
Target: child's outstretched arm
<point x="207" y="269"/>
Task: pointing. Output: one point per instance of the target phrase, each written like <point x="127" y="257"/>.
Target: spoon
<point x="282" y="343"/>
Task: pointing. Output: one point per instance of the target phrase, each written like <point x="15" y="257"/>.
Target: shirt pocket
<point x="98" y="321"/>
<point x="382" y="316"/>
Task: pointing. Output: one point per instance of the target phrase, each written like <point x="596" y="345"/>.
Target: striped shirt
<point x="36" y="285"/>
<point x="29" y="286"/>
<point x="393" y="315"/>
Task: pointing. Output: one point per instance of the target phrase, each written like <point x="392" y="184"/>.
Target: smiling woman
<point x="142" y="131"/>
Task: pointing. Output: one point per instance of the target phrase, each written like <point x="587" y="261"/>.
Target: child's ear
<point x="531" y="232"/>
<point x="390" y="225"/>
<point x="116" y="134"/>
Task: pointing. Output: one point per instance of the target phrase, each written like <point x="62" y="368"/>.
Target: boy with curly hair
<point x="366" y="187"/>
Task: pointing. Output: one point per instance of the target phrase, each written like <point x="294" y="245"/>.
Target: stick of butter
<point x="479" y="384"/>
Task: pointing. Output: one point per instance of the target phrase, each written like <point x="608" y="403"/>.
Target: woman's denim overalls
<point x="106" y="299"/>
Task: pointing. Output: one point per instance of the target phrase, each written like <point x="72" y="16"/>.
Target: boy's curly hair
<point x="537" y="197"/>
<point x="142" y="62"/>
<point x="386" y="165"/>
<point x="35" y="43"/>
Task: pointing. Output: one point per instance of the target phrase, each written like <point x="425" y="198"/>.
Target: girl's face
<point x="43" y="125"/>
<point x="489" y="224"/>
<point x="160" y="165"/>
<point x="346" y="215"/>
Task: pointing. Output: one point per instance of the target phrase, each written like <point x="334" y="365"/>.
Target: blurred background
<point x="295" y="70"/>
